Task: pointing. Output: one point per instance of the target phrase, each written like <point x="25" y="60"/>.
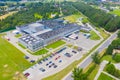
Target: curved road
<point x="88" y="59"/>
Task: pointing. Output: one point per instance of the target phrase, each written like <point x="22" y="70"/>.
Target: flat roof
<point x="58" y="31"/>
<point x="29" y="39"/>
<point x="32" y="28"/>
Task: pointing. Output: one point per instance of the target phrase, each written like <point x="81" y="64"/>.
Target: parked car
<point x="26" y="74"/>
<point x="67" y="54"/>
<point x="60" y="61"/>
<point x="41" y="69"/>
<point x="50" y="66"/>
<point x="40" y="62"/>
<point x="50" y="62"/>
<point x="47" y="64"/>
<point x="55" y="66"/>
<point x="74" y="51"/>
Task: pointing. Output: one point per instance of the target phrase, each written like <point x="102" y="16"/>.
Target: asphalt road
<point x="88" y="60"/>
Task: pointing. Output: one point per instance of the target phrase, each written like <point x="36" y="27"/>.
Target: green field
<point x="93" y="73"/>
<point x="18" y="35"/>
<point x="72" y="18"/>
<point x="11" y="62"/>
<point x="94" y="36"/>
<point x="108" y="58"/>
<point x="116" y="12"/>
<point x="104" y="77"/>
<point x="40" y="52"/>
<point x="103" y="33"/>
<point x="21" y="46"/>
<point x="55" y="44"/>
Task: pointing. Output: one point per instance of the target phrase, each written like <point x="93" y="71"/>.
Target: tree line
<point x="100" y="18"/>
<point x="34" y="12"/>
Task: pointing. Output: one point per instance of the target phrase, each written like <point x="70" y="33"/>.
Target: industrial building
<point x="39" y="34"/>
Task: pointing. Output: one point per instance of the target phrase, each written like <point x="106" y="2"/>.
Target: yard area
<point x="93" y="73"/>
<point x="108" y="58"/>
<point x="116" y="12"/>
<point x="103" y="33"/>
<point x="40" y="52"/>
<point x="94" y="36"/>
<point x="18" y="35"/>
<point x="6" y="15"/>
<point x="12" y="62"/>
<point x="55" y="44"/>
<point x="22" y="46"/>
<point x="104" y="77"/>
<point x="72" y="18"/>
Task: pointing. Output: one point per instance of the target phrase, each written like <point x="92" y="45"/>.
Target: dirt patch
<point x="19" y="76"/>
<point x="5" y="66"/>
<point x="6" y="15"/>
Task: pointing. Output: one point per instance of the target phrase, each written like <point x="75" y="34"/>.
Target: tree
<point x="118" y="34"/>
<point x="77" y="73"/>
<point x="109" y="50"/>
<point x="117" y="57"/>
<point x="96" y="58"/>
<point x="111" y="69"/>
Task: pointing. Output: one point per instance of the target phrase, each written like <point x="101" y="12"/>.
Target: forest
<point x="100" y="18"/>
<point x="34" y="12"/>
<point x="38" y="11"/>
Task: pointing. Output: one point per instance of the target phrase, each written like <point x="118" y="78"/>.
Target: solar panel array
<point x="29" y="39"/>
<point x="64" y="29"/>
<point x="53" y="24"/>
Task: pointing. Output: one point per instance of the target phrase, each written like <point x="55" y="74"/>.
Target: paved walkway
<point x="102" y="65"/>
<point x="110" y="75"/>
<point x="117" y="65"/>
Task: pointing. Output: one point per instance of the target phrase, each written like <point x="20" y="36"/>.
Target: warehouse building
<point x="40" y="34"/>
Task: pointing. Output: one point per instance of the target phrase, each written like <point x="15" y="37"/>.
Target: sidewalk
<point x="102" y="65"/>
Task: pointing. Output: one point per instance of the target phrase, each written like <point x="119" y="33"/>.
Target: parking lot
<point x="53" y="63"/>
<point x="84" y="42"/>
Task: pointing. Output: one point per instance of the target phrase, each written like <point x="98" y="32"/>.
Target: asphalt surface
<point x="88" y="60"/>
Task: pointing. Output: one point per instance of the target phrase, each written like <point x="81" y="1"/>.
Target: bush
<point x="117" y="57"/>
<point x="110" y="68"/>
<point x="118" y="34"/>
<point x="109" y="50"/>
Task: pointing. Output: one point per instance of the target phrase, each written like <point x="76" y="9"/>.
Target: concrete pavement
<point x="88" y="60"/>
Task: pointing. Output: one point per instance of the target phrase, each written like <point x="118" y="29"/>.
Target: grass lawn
<point x="108" y="58"/>
<point x="18" y="35"/>
<point x="116" y="12"/>
<point x="94" y="36"/>
<point x="40" y="52"/>
<point x="103" y="33"/>
<point x="93" y="73"/>
<point x="55" y="44"/>
<point x="72" y="18"/>
<point x="104" y="77"/>
<point x="21" y="46"/>
<point x="83" y="31"/>
<point x="11" y="61"/>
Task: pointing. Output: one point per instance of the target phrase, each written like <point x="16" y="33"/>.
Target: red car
<point x="26" y="74"/>
<point x="57" y="57"/>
